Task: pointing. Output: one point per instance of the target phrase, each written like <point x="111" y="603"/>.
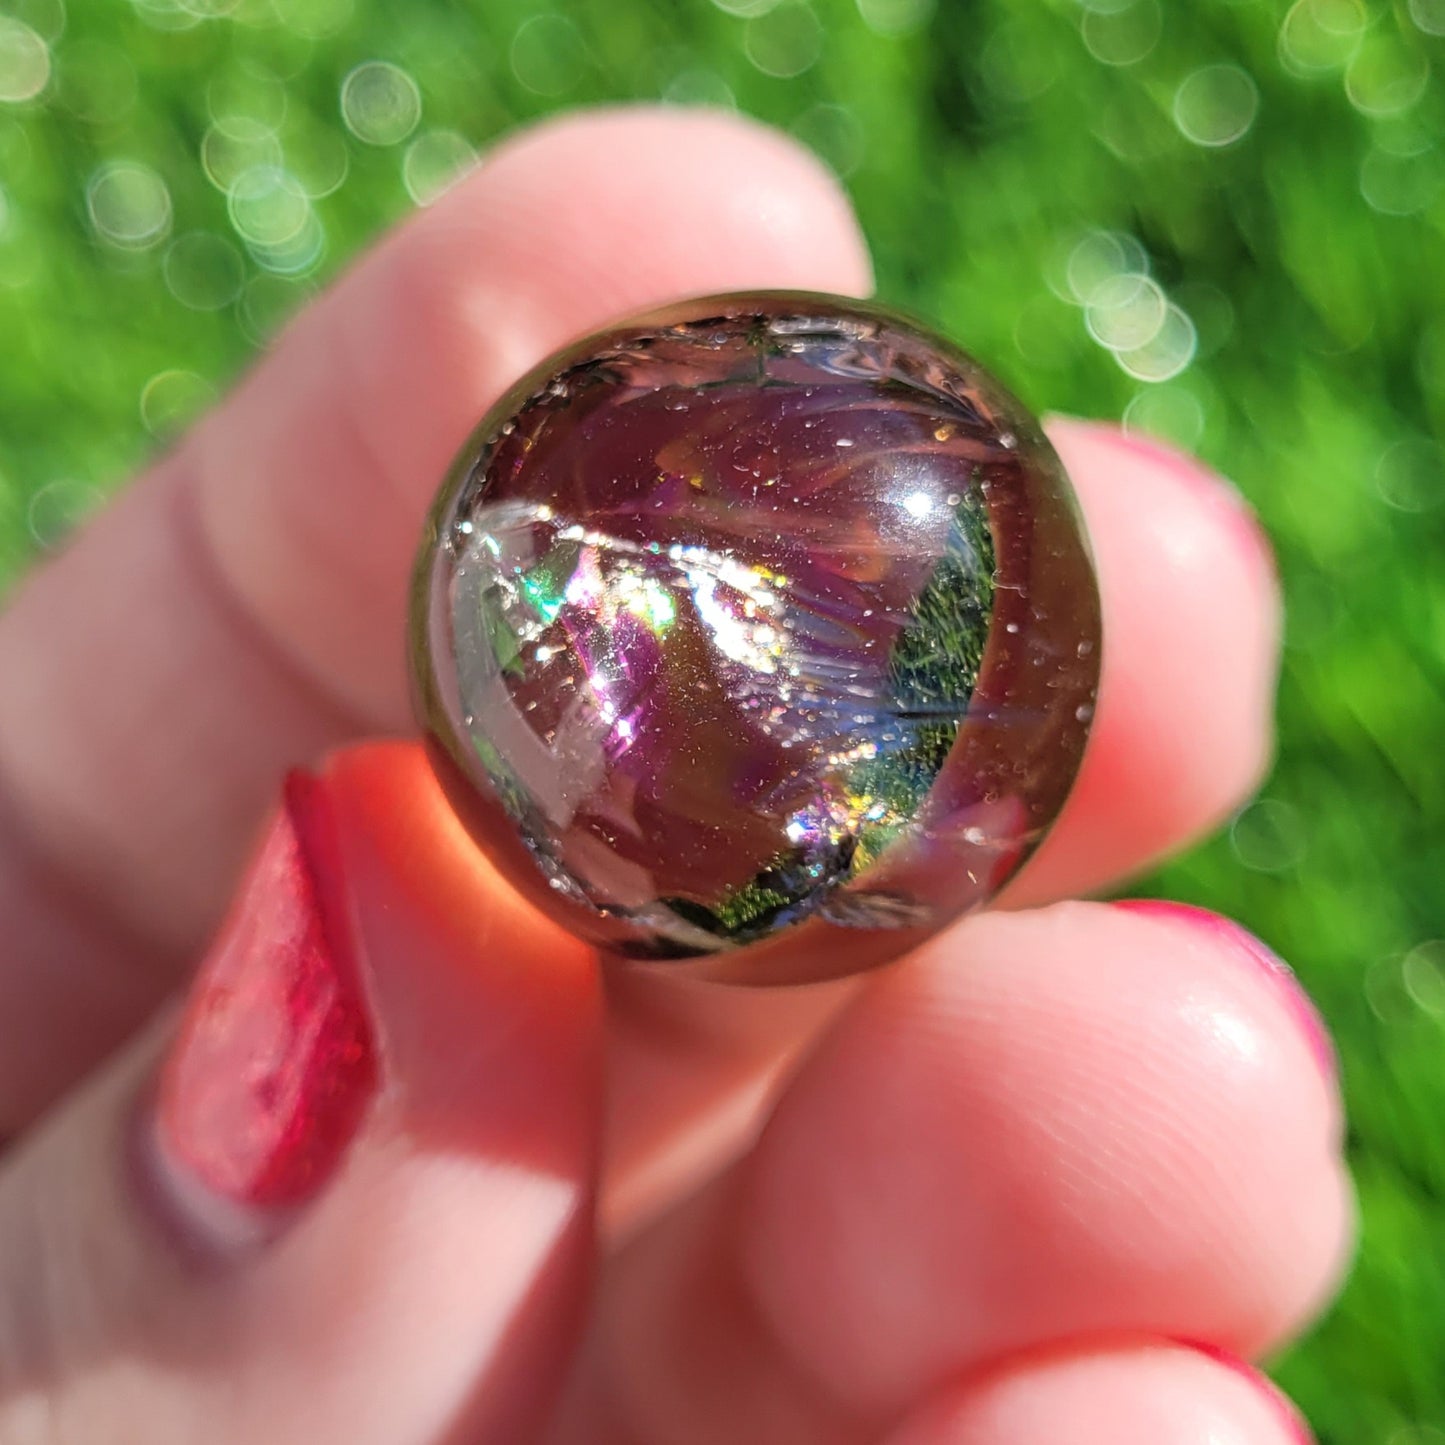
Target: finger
<point x="1144" y="1394"/>
<point x="356" y="1203"/>
<point x="1184" y="723"/>
<point x="242" y="609"/>
<point x="1082" y="1122"/>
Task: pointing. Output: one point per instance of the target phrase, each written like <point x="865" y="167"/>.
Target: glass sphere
<point x="761" y="631"/>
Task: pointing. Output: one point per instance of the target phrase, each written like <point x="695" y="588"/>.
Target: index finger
<point x="241" y="610"/>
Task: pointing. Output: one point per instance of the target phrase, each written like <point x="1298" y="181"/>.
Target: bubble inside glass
<point x="761" y="632"/>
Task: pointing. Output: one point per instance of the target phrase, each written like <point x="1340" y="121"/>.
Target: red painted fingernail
<point x="1300" y="1004"/>
<point x="275" y="1061"/>
<point x="1289" y="1415"/>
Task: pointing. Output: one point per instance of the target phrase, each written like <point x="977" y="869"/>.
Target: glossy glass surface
<point x="761" y="631"/>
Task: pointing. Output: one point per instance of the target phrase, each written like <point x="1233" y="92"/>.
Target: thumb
<point x="347" y="1196"/>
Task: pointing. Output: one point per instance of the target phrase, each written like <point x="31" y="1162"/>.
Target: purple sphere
<point x="760" y="632"/>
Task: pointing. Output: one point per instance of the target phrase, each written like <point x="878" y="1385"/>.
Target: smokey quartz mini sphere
<point x="761" y="632"/>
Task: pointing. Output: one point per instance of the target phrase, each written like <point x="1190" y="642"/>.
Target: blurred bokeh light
<point x="1221" y="222"/>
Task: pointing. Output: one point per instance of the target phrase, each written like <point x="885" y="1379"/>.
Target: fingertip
<point x="1095" y="446"/>
<point x="778" y="216"/>
<point x="1183" y="731"/>
<point x="596" y="214"/>
<point x="1146" y="1394"/>
<point x="1287" y="1414"/>
<point x="1281" y="1117"/>
<point x="1238" y="942"/>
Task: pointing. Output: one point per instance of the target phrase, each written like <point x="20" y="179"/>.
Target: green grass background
<point x="982" y="142"/>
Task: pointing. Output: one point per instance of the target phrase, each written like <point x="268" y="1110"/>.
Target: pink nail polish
<point x="275" y="1061"/>
<point x="1301" y="1006"/>
<point x="1295" y="1424"/>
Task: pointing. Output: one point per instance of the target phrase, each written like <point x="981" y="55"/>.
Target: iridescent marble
<point x="761" y="631"/>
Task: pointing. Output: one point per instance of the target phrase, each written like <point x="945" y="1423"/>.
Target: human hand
<point x="1048" y="1179"/>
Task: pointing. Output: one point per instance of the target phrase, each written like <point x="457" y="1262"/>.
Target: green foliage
<point x="984" y="148"/>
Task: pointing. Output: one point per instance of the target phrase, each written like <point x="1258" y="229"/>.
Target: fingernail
<point x="275" y="1060"/>
<point x="1295" y="1424"/>
<point x="1245" y="944"/>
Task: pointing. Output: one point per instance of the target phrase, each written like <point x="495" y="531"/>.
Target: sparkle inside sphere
<point x="760" y="632"/>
